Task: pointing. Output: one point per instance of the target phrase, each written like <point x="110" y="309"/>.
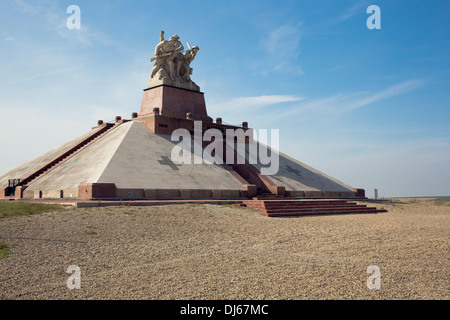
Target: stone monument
<point x="170" y="87"/>
<point x="131" y="158"/>
<point x="172" y="65"/>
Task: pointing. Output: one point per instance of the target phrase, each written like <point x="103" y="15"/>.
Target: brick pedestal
<point x="174" y="102"/>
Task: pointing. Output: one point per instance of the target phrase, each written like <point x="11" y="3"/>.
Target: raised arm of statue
<point x="161" y="36"/>
<point x="158" y="48"/>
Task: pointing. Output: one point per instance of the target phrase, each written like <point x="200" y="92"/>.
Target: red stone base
<point x="174" y="102"/>
<point x="3" y="193"/>
<point x="97" y="190"/>
<point x="360" y="193"/>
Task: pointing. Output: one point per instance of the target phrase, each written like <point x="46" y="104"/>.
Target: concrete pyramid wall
<point x="301" y="180"/>
<point x="30" y="165"/>
<point x="131" y="161"/>
<point x="136" y="161"/>
<point x="139" y="162"/>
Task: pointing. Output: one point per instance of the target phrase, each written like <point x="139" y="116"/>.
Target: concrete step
<point x="282" y="208"/>
<point x="289" y="205"/>
<point x="288" y="200"/>
<point x="325" y="212"/>
<point x="318" y="209"/>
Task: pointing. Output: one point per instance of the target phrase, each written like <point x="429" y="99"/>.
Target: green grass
<point x="442" y="199"/>
<point x="13" y="209"/>
<point x="4" y="250"/>
<point x="439" y="202"/>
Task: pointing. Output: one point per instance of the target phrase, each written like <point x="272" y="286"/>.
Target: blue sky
<point x="368" y="107"/>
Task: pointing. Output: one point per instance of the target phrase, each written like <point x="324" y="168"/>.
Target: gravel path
<point x="227" y="252"/>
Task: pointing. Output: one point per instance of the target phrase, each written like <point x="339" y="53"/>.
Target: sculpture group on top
<point x="172" y="64"/>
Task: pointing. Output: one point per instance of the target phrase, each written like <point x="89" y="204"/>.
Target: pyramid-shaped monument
<point x="171" y="149"/>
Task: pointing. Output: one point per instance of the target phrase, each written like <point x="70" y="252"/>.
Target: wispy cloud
<point x="353" y="10"/>
<point x="54" y="17"/>
<point x="283" y="46"/>
<point x="348" y="13"/>
<point x="236" y="108"/>
<point x="335" y="104"/>
<point x="261" y="101"/>
<point x="341" y="103"/>
<point x="41" y="75"/>
<point x="341" y="67"/>
<point x="395" y="90"/>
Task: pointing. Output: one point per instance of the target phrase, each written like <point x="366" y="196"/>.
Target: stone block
<point x="53" y="194"/>
<point x="216" y="193"/>
<point x="150" y="193"/>
<point x="19" y="192"/>
<point x="97" y="190"/>
<point x="227" y="194"/>
<point x="243" y="194"/>
<point x="185" y="194"/>
<point x="295" y="193"/>
<point x="251" y="189"/>
<point x="174" y="102"/>
<point x="348" y="194"/>
<point x="3" y="192"/>
<point x="70" y="193"/>
<point x="280" y="190"/>
<point x="331" y="194"/>
<point x="130" y="193"/>
<point x="167" y="193"/>
<point x="360" y="193"/>
<point x="313" y="194"/>
<point x="201" y="194"/>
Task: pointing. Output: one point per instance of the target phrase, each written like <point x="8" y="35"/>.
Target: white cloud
<point x="341" y="103"/>
<point x="283" y="47"/>
<point x="261" y="101"/>
<point x="358" y="7"/>
<point x="341" y="67"/>
<point x="241" y="107"/>
<point x="52" y="15"/>
<point x="40" y="75"/>
<point x="395" y="90"/>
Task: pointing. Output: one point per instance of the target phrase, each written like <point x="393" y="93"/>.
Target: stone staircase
<point x="264" y="194"/>
<point x="292" y="208"/>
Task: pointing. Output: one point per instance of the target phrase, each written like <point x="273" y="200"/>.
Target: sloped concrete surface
<point x="143" y="161"/>
<point x="84" y="167"/>
<point x="297" y="176"/>
<point x="131" y="156"/>
<point x="29" y="166"/>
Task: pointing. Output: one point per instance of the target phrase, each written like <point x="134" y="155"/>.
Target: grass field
<point x="443" y="199"/>
<point x="11" y="209"/>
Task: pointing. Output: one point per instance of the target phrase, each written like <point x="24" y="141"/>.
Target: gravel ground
<point x="227" y="252"/>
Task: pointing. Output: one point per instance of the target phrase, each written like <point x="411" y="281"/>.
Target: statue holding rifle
<point x="172" y="66"/>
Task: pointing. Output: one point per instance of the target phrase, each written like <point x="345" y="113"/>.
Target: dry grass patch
<point x="13" y="209"/>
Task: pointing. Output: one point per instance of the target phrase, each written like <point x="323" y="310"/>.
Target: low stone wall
<point x="110" y="191"/>
<point x="320" y="194"/>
